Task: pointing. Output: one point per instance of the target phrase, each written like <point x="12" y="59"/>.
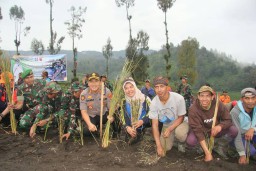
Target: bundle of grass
<point x="47" y="126"/>
<point x="61" y="127"/>
<point x="135" y="106"/>
<point x="81" y="131"/>
<point x="5" y="65"/>
<point x="211" y="141"/>
<point x="117" y="97"/>
<point x="247" y="148"/>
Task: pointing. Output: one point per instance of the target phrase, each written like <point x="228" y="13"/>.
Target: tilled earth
<point x="20" y="152"/>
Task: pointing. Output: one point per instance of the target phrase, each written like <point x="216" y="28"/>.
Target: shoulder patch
<point x="82" y="97"/>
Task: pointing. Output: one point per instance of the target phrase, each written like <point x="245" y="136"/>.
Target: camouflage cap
<point x="52" y="87"/>
<point x="76" y="86"/>
<point x="26" y="73"/>
<point x="204" y="89"/>
<point x="184" y="77"/>
<point x="93" y="75"/>
<point x="103" y="76"/>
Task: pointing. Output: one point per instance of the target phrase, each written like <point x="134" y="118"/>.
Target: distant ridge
<point x="89" y="53"/>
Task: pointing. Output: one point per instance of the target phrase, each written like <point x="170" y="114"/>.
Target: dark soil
<point x="20" y="152"/>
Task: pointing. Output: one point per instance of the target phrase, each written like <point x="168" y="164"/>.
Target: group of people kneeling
<point x="39" y="103"/>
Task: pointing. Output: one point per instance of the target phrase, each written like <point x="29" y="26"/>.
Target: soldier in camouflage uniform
<point x="44" y="112"/>
<point x="107" y="84"/>
<point x="70" y="108"/>
<point x="184" y="89"/>
<point x="27" y="94"/>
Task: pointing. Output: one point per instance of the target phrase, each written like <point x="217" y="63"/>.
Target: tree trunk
<point x="51" y="50"/>
<point x="168" y="56"/>
<point x="107" y="67"/>
<point x="129" y="19"/>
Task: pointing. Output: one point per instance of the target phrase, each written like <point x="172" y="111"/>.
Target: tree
<point x="107" y="53"/>
<point x="164" y="5"/>
<point x="53" y="35"/>
<point x="135" y="52"/>
<point x="128" y="4"/>
<point x="37" y="47"/>
<point x="249" y="75"/>
<point x="75" y="30"/>
<point x="18" y="15"/>
<point x="142" y="44"/>
<point x="187" y="58"/>
<point x="1" y="17"/>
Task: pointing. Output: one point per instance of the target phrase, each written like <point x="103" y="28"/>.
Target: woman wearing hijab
<point x="134" y="111"/>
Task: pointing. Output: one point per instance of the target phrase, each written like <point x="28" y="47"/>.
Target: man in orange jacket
<point x="225" y="98"/>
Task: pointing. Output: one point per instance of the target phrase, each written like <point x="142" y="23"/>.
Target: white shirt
<point x="168" y="112"/>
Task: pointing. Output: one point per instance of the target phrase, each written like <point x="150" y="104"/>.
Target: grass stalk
<point x="46" y="129"/>
<point x="94" y="138"/>
<point x="211" y="141"/>
<point x="117" y="96"/>
<point x="106" y="136"/>
<point x="5" y="65"/>
<point x="135" y="105"/>
<point x="61" y="128"/>
<point x="247" y="148"/>
<point x="81" y="131"/>
<point x="101" y="108"/>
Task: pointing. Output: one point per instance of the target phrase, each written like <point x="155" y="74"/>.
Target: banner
<point x="55" y="65"/>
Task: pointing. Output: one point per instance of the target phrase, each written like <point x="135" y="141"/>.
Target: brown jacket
<point x="200" y="120"/>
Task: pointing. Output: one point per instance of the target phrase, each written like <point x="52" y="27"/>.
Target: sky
<point x="228" y="26"/>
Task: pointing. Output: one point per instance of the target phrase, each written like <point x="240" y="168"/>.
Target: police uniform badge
<point x="90" y="105"/>
<point x="82" y="98"/>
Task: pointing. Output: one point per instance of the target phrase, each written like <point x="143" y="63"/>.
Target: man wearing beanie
<point x="167" y="112"/>
<point x="244" y="117"/>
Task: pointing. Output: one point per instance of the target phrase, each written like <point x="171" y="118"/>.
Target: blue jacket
<point x="243" y="123"/>
<point x="150" y="93"/>
<point x="245" y="120"/>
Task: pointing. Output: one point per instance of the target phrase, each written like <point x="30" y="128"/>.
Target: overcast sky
<point x="226" y="25"/>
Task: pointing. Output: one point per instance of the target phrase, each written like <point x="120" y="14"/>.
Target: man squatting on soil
<point x="200" y="119"/>
<point x="35" y="102"/>
<point x="90" y="100"/>
<point x="167" y="111"/>
<point x="244" y="117"/>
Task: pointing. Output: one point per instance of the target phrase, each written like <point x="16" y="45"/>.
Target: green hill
<point x="215" y="68"/>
